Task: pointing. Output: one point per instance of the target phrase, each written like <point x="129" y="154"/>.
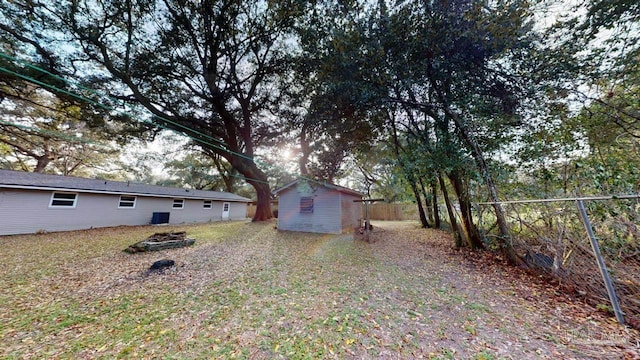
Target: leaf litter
<point x="246" y="290"/>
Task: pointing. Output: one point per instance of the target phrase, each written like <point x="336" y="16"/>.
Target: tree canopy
<point x="207" y="69"/>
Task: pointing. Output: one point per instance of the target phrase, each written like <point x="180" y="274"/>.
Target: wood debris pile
<point x="161" y="241"/>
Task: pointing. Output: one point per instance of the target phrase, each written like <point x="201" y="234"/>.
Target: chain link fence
<point x="551" y="238"/>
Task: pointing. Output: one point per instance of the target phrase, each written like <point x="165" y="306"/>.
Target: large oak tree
<point x="208" y="69"/>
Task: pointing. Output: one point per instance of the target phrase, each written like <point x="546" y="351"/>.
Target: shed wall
<point x="351" y="212"/>
<point x="326" y="216"/>
<point x="28" y="211"/>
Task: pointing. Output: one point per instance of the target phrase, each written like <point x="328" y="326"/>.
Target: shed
<point x="319" y="207"/>
<point x="33" y="202"/>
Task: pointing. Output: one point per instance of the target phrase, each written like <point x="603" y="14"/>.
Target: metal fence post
<point x="601" y="265"/>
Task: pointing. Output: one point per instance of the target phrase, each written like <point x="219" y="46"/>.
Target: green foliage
<point x="41" y="132"/>
<point x="378" y="175"/>
<point x="197" y="171"/>
<point x="340" y="112"/>
<point x="585" y="154"/>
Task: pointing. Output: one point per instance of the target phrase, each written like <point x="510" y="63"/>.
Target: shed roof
<point x="37" y="181"/>
<point x="328" y="185"/>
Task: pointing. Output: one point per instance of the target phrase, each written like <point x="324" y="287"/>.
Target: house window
<point x="207" y="204"/>
<point x="178" y="204"/>
<point x="127" y="202"/>
<point x="306" y="205"/>
<point x="225" y="207"/>
<point x="59" y="199"/>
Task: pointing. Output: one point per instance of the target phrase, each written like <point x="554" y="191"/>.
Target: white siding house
<point x="31" y="202"/>
<point x="318" y="207"/>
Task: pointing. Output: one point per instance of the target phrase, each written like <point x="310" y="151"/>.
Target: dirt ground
<point x="523" y="316"/>
<point x="248" y="291"/>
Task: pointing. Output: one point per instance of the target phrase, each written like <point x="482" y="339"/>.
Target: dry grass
<point x="247" y="291"/>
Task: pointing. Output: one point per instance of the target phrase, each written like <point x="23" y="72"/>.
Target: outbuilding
<point x="318" y="207"/>
<point x="34" y="202"/>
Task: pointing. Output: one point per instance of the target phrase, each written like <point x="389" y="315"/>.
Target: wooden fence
<point x="392" y="212"/>
<point x="251" y="208"/>
<point x="380" y="211"/>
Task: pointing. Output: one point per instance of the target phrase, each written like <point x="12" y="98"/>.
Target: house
<point x="319" y="207"/>
<point x="33" y="202"/>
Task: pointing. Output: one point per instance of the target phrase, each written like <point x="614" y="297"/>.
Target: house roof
<point x="37" y="181"/>
<point x="339" y="188"/>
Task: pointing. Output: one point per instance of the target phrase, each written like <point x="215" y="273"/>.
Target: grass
<point x="248" y="291"/>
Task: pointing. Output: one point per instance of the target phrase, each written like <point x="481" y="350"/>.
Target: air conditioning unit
<point x="160" y="218"/>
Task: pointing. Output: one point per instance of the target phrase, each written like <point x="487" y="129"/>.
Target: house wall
<point x="193" y="211"/>
<point x="326" y="216"/>
<point x="351" y="212"/>
<point x="28" y="211"/>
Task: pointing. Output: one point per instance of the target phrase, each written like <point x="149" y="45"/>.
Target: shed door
<point x="225" y="210"/>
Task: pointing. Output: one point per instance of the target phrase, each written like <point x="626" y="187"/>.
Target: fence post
<point x="367" y="202"/>
<point x="601" y="265"/>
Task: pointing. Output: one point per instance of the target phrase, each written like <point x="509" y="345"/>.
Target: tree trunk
<point x="409" y="176"/>
<point x="436" y="211"/>
<point x="452" y="216"/>
<point x="427" y="203"/>
<point x="505" y="239"/>
<point x="467" y="137"/>
<point x="416" y="193"/>
<point x="222" y="170"/>
<point x="263" y="206"/>
<point x="462" y="192"/>
<point x="42" y="162"/>
<point x="256" y="178"/>
<point x="305" y="150"/>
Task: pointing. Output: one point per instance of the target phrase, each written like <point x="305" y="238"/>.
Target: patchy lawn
<point x="246" y="291"/>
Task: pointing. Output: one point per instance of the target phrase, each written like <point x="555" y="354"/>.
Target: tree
<point x="589" y="83"/>
<point x="42" y="132"/>
<point x="409" y="170"/>
<point x="467" y="87"/>
<point x="195" y="171"/>
<point x="338" y="122"/>
<point x="377" y="174"/>
<point x="45" y="127"/>
<point x="593" y="58"/>
<point x="208" y="69"/>
<point x="455" y="84"/>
